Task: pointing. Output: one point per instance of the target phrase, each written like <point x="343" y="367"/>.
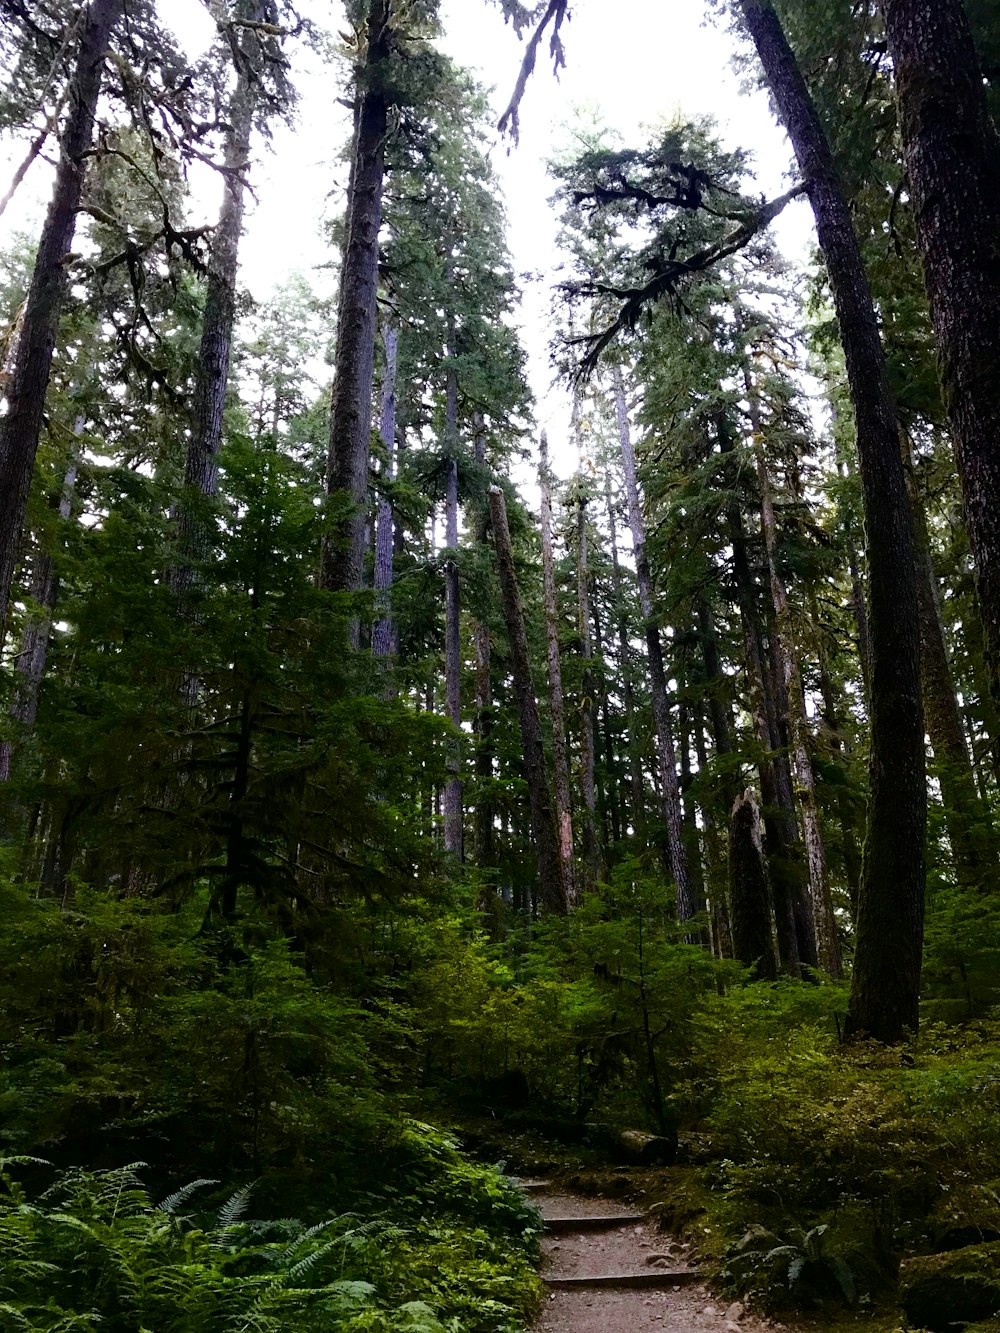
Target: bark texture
<point x="823" y="922"/>
<point x="484" y="722"/>
<point x="552" y="887"/>
<point x="967" y="817"/>
<point x="29" y="378"/>
<point x="34" y="651"/>
<point x="385" y="533"/>
<point x="750" y="904"/>
<point x="201" y="465"/>
<point x="560" y="754"/>
<point x="588" y="711"/>
<point x="354" y="357"/>
<point x="670" y="792"/>
<point x="452" y="633"/>
<point x="952" y="152"/>
<point x="886" y="980"/>
<point x="783" y="848"/>
<point x="636" y="782"/>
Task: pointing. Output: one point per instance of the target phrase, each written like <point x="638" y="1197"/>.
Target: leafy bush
<point x="93" y="1252"/>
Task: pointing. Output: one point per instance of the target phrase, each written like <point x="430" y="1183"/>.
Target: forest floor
<point x="652" y="1282"/>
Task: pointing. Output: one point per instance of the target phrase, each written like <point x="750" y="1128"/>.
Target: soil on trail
<point x="630" y="1248"/>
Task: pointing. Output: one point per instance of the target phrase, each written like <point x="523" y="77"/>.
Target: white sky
<point x="633" y="62"/>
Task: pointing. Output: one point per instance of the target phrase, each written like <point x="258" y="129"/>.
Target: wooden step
<point x="533" y="1186"/>
<point x="558" y="1226"/>
<point x="656" y="1280"/>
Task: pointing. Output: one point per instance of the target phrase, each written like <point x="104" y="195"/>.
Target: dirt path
<point x="653" y="1284"/>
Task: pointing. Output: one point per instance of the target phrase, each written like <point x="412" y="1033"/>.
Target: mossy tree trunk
<point x="885" y="985"/>
<point x="952" y="151"/>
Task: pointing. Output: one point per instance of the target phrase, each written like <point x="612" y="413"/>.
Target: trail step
<point x="558" y="1226"/>
<point x="625" y="1281"/>
<point x="533" y="1186"/>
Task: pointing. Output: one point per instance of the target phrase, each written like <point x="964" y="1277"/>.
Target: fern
<point x="234" y="1208"/>
<point x="173" y="1201"/>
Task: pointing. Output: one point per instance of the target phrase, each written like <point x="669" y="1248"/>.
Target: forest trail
<point x="608" y="1270"/>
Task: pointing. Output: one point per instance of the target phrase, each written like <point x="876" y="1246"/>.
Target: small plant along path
<point x="608" y="1270"/>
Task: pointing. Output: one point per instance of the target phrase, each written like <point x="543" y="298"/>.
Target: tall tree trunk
<point x="485" y="840"/>
<point x="201" y="466"/>
<point x="28" y="384"/>
<point x="236" y="843"/>
<point x="354" y="358"/>
<point x="967" y="818"/>
<point x="784" y="860"/>
<point x="605" y="754"/>
<point x="749" y="900"/>
<point x="824" y="923"/>
<point x="952" y="152"/>
<point x="385" y="534"/>
<point x="30" y="661"/>
<point x="670" y="793"/>
<point x="691" y="832"/>
<point x="885" y="986"/>
<point x="484" y="723"/>
<point x="716" y="814"/>
<point x="634" y="741"/>
<point x="560" y="756"/>
<point x="552" y="886"/>
<point x="588" y="711"/>
<point x="845" y="804"/>
<point x="719" y="711"/>
<point x="452" y="630"/>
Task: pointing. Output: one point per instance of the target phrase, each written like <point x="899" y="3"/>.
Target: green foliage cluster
<point x="830" y="1162"/>
<point x="92" y="1251"/>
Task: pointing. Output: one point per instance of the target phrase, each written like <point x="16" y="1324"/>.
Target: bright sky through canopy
<point x="627" y="65"/>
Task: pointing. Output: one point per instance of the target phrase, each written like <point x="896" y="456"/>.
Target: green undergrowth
<point x="452" y="1250"/>
<point x="812" y="1169"/>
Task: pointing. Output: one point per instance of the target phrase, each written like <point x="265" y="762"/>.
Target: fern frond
<point x="173" y="1201"/>
<point x="235" y="1206"/>
<point x="309" y="1261"/>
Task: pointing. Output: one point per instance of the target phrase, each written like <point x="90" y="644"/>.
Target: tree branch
<point x="636" y="299"/>
<point x="556" y="12"/>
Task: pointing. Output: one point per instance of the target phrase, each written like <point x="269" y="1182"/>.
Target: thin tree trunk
<point x="560" y="756"/>
<point x="967" y="819"/>
<point x="21" y="427"/>
<point x="845" y="806"/>
<point x="354" y="358"/>
<point x="485" y="831"/>
<point x="719" y="712"/>
<point x="952" y="151"/>
<point x="452" y="635"/>
<point x="784" y="862"/>
<point x="552" y="886"/>
<point x="692" y="834"/>
<point x="717" y="865"/>
<point x="669" y="784"/>
<point x="858" y="608"/>
<point x="485" y="838"/>
<point x="824" y="923"/>
<point x="236" y="848"/>
<point x="385" y="535"/>
<point x="588" y="713"/>
<point x="636" y="784"/>
<point x="605" y="755"/>
<point x="30" y="661"/>
<point x="201" y="467"/>
<point x="885" y="986"/>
